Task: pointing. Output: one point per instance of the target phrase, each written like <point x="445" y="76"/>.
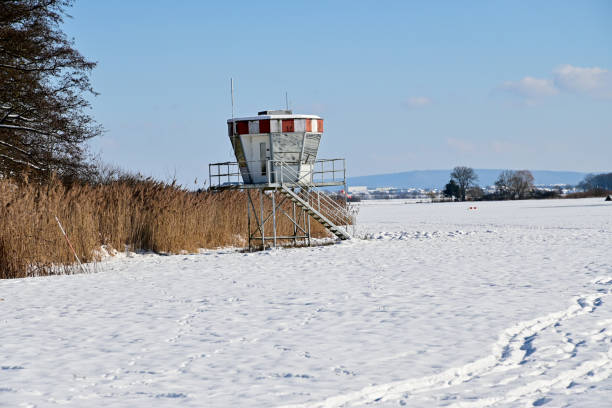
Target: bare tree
<point x="43" y="126"/>
<point x="465" y="177"/>
<point x="521" y="183"/>
<point x="514" y="184"/>
<point x="503" y="184"/>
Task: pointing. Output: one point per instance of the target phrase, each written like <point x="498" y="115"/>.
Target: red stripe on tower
<point x="264" y="126"/>
<point x="309" y="125"/>
<point x="242" y="127"/>
<point x="320" y="125"/>
<point x="288" y="125"/>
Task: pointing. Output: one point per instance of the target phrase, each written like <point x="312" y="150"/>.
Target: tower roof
<point x="275" y="114"/>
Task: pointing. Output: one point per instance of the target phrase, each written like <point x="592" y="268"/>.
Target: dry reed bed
<point x="142" y="214"/>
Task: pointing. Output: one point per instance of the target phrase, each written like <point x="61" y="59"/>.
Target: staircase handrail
<point x="322" y="218"/>
<point x="337" y="214"/>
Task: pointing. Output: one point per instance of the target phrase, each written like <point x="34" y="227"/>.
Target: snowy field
<point x="508" y="305"/>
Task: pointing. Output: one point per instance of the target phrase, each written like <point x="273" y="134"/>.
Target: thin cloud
<point x="530" y="88"/>
<point x="593" y="81"/>
<point x="417" y="102"/>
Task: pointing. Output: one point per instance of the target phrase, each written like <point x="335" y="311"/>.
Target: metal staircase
<point x="298" y="198"/>
<point x="300" y="190"/>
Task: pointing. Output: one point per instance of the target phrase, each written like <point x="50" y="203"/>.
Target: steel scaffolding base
<point x="300" y="219"/>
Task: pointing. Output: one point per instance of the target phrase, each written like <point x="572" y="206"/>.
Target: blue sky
<point x="401" y="85"/>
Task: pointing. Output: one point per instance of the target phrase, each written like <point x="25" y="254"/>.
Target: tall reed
<point x="142" y="214"/>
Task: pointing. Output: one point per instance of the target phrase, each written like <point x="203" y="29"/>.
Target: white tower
<point x="276" y="155"/>
<point x="262" y="142"/>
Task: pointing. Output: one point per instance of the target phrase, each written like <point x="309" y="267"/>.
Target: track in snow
<point x="529" y="360"/>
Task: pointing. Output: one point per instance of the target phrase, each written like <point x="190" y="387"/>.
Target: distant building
<point x="358" y="190"/>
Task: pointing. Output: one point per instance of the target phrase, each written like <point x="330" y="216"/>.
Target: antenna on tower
<point x="233" y="125"/>
<point x="286" y="101"/>
<point x="232" y="92"/>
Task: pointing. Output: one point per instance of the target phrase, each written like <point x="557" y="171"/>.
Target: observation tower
<point x="276" y="155"/>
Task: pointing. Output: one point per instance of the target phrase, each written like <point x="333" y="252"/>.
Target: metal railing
<point x="319" y="173"/>
<point x="337" y="212"/>
<point x="224" y="174"/>
<point x="325" y="169"/>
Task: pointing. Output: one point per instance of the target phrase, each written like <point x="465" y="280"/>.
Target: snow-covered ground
<point x="506" y="305"/>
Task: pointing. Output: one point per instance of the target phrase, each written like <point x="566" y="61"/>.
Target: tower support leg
<point x="295" y="227"/>
<point x="249" y="218"/>
<point x="308" y="217"/>
<point x="274" y="217"/>
<point x="261" y="227"/>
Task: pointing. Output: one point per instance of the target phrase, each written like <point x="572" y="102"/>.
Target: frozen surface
<point x="506" y="305"/>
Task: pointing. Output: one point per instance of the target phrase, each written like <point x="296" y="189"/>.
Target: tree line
<point x="597" y="181"/>
<point x="513" y="185"/>
<point x="510" y="184"/>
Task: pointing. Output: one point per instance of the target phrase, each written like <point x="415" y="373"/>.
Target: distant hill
<point x="438" y="178"/>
